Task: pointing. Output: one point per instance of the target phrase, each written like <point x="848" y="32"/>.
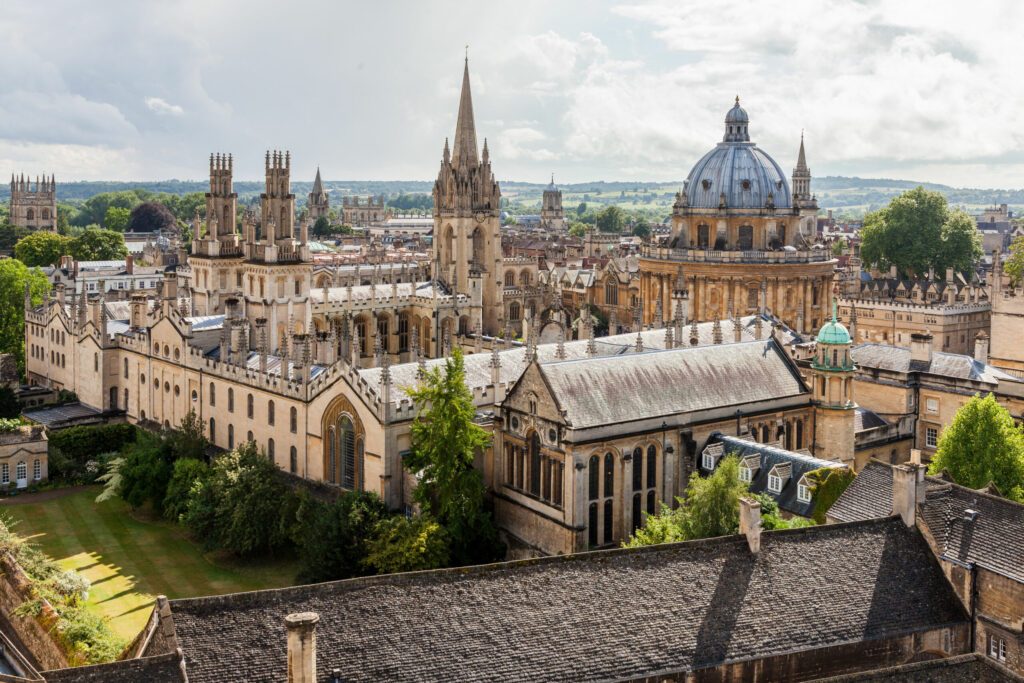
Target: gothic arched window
<point x="478" y="249"/>
<point x="270" y="413"/>
<point x="515" y="311"/>
<point x="346" y="435"/>
<point x="535" y="465"/>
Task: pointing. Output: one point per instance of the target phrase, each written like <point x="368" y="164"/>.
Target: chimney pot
<point x="921" y="347"/>
<point x="301" y="629"/>
<point x="907" y="491"/>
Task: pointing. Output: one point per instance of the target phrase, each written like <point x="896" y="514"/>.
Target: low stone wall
<point x="33" y="632"/>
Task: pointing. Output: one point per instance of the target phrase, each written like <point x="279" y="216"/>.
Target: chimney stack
<point x="981" y="347"/>
<point x="907" y="491"/>
<point x="750" y="523"/>
<point x="302" y="646"/>
<point x="921" y="347"/>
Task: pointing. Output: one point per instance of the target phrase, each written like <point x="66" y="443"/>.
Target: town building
<point x="23" y="457"/>
<point x="974" y="535"/>
<point x="891" y="310"/>
<point x="741" y="240"/>
<point x="33" y="206"/>
<point x="358" y="212"/>
<point x="1007" y="353"/>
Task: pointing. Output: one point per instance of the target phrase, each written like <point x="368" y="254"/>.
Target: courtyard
<point x="130" y="557"/>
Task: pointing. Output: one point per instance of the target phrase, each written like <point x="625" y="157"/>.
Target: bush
<point x="145" y="471"/>
<point x="400" y="544"/>
<point x="87" y="442"/>
<point x="8" y="425"/>
<point x="333" y="537"/>
<point x="242" y="506"/>
<point x="185" y="474"/>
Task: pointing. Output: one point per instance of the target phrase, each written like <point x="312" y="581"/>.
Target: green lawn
<point x="129" y="558"/>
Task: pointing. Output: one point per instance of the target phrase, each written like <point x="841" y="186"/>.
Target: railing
<point x="721" y="256"/>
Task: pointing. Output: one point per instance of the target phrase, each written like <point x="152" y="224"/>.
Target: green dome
<point x="833" y="332"/>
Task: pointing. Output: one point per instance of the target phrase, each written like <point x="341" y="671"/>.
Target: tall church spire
<point x="465" y="150"/>
<point x="801" y="174"/>
<point x="318" y="185"/>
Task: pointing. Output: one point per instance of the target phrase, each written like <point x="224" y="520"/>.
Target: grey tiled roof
<point x="165" y="668"/>
<point x="614" y="614"/>
<point x="865" y="419"/>
<point x="603" y="390"/>
<point x="954" y="365"/>
<point x="768" y="457"/>
<point x="993" y="540"/>
<point x="868" y="496"/>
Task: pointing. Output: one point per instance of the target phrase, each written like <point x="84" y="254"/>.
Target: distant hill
<point x="844" y="195"/>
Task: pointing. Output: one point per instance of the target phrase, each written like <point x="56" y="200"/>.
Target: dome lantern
<point x="736" y="122"/>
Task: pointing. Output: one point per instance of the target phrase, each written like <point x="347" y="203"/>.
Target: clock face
<point x="480" y="217"/>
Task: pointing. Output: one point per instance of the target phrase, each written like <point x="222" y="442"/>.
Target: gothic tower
<point x="318" y="204"/>
<point x="832" y="372"/>
<point x="216" y="251"/>
<point x="551" y="215"/>
<point x="34" y="206"/>
<point x="467" y="201"/>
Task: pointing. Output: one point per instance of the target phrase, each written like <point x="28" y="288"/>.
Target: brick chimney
<point x="921" y="346"/>
<point x="750" y="523"/>
<point x="129" y="264"/>
<point x="981" y="347"/>
<point x="302" y="646"/>
<point x="907" y="491"/>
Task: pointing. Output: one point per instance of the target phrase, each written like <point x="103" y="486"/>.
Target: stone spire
<point x="560" y="347"/>
<point x="639" y="346"/>
<point x="354" y="346"/>
<point x="801" y="174"/>
<point x="464" y="152"/>
<point x="591" y="344"/>
<point x="737" y="329"/>
<point x="414" y="345"/>
<point x="318" y="185"/>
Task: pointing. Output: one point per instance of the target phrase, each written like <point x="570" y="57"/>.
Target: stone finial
<point x="560" y="346"/>
<point x="669" y="338"/>
<point x="478" y="338"/>
<point x="716" y="331"/>
<point x="758" y="327"/>
<point x="378" y="349"/>
<point x="613" y="322"/>
<point x="354" y="346"/>
<point x="414" y="346"/>
<point x="446" y="345"/>
<point x="694" y="333"/>
<point x="658" y="315"/>
<point x="737" y="329"/>
<point x="639" y="346"/>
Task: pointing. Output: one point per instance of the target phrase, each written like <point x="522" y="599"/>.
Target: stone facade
<point x="23" y="458"/>
<point x="1007" y="321"/>
<point x="358" y="212"/>
<point x="552" y="217"/>
<point x="34" y="205"/>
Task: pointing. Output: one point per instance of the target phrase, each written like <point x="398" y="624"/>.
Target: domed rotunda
<point x="742" y="239"/>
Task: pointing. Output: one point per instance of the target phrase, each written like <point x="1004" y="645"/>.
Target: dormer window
<point x="749" y="467"/>
<point x="778" y="476"/>
<point x="803" y="490"/>
<point x="706" y="184"/>
<point x="712" y="454"/>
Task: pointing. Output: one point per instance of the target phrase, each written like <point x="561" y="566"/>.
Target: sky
<point x="587" y="90"/>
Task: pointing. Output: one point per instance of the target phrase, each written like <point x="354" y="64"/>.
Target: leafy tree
<point x="15" y="276"/>
<point x="116" y="218"/>
<point x="710" y="508"/>
<point x="321" y="226"/>
<point x="1014" y="264"/>
<point x="445" y="441"/>
<point x="332" y="537"/>
<point x="184" y="475"/>
<point x="982" y="445"/>
<point x="240" y="506"/>
<point x="771" y="518"/>
<point x="581" y="209"/>
<point x="188" y="440"/>
<point x="578" y="229"/>
<point x="611" y="219"/>
<point x="97" y="244"/>
<point x="9" y="406"/>
<point x="400" y="544"/>
<point x="839" y="247"/>
<point x="10" y="235"/>
<point x="917" y="231"/>
<point x="150" y="217"/>
<point x="41" y="248"/>
<point x="94" y="209"/>
<point x="642" y="228"/>
<point x="144" y="471"/>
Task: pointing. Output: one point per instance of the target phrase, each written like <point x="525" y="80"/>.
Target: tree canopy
<point x="983" y="445"/>
<point x="642" y="228"/>
<point x="14" y="277"/>
<point x="116" y="218"/>
<point x="151" y="217"/>
<point x="41" y="248"/>
<point x="611" y="219"/>
<point x="97" y="244"/>
<point x="1014" y="264"/>
<point x="445" y="442"/>
<point x="917" y="231"/>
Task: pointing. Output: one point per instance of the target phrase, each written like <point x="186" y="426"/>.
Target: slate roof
<point x="969" y="668"/>
<point x="688" y="606"/>
<point x="165" y="668"/>
<point x="864" y="419"/>
<point x="513" y="360"/>
<point x="768" y="457"/>
<point x="953" y="365"/>
<point x="869" y="495"/>
<point x="602" y="390"/>
<point x="992" y="541"/>
<point x="57" y="415"/>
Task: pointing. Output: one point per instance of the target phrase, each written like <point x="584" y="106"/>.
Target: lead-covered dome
<point x="736" y="173"/>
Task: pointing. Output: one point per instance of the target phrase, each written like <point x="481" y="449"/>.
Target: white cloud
<point x="521" y="143"/>
<point x="163" y="107"/>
